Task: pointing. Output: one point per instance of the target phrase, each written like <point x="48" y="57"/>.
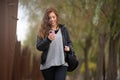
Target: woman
<point x="53" y="40"/>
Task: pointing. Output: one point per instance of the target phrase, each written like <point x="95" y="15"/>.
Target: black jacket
<point x="43" y="44"/>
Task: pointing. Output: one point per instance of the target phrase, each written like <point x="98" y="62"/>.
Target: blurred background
<point x="94" y="27"/>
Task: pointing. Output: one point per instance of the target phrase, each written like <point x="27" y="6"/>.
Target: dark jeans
<point x="55" y="73"/>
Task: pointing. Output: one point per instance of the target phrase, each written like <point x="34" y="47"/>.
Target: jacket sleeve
<point x="68" y="40"/>
<point x="42" y="43"/>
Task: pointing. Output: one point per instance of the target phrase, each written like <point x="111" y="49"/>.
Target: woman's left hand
<point x="67" y="48"/>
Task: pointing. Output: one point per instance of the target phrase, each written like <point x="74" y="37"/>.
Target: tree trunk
<point x="86" y="65"/>
<point x="113" y="43"/>
<point x="87" y="46"/>
<point x="112" y="64"/>
<point x="100" y="75"/>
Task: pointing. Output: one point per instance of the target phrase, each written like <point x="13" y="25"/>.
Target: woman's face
<point x="52" y="19"/>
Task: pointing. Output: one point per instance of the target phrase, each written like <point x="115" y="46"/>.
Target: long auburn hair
<point x="45" y="26"/>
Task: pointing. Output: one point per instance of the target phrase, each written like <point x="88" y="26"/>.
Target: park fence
<point x="15" y="63"/>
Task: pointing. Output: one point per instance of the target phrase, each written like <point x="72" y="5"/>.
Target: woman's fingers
<point x="51" y="36"/>
<point x="67" y="48"/>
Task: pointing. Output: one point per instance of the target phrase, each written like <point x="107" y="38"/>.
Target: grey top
<point x="55" y="56"/>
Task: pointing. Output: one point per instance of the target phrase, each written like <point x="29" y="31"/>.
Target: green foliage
<point x="97" y="12"/>
<point x="92" y="67"/>
<point x="115" y="31"/>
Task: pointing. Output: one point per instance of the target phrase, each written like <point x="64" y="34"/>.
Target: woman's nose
<point x="52" y="19"/>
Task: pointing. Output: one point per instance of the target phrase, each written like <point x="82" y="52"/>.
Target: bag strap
<point x="64" y="36"/>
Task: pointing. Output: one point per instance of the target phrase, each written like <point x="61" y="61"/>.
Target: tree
<point x="114" y="40"/>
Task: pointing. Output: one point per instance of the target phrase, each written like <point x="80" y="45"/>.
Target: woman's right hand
<point x="51" y="35"/>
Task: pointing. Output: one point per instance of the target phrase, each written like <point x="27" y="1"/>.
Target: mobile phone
<point x="51" y="31"/>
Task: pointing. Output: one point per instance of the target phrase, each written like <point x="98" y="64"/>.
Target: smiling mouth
<point x="51" y="22"/>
